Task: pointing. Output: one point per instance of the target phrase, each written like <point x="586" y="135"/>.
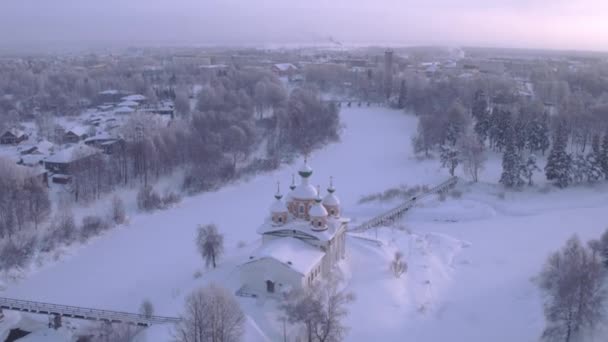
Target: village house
<point x="105" y="142"/>
<point x="303" y="239"/>
<point x="67" y="159"/>
<point x="284" y="69"/>
<point x="75" y="134"/>
<point x="12" y="136"/>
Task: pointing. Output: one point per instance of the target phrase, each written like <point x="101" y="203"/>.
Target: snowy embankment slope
<point x="155" y="256"/>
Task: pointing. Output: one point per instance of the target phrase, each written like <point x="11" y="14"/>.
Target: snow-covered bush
<point x="398" y="266"/>
<point x="16" y="252"/>
<point x="148" y="199"/>
<point x="93" y="225"/>
<point x="62" y="230"/>
<point x="170" y="198"/>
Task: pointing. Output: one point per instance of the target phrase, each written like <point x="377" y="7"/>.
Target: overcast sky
<point x="558" y="24"/>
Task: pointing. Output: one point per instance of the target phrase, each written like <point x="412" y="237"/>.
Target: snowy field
<point x="472" y="259"/>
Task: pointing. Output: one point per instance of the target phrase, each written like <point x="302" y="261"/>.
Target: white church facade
<point x="303" y="238"/>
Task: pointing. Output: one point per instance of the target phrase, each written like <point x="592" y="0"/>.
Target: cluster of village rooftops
<point x="303" y="239"/>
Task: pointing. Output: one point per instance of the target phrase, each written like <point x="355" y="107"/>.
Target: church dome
<point x="305" y="170"/>
<point x="278" y="207"/>
<point x="318" y="210"/>
<point x="304" y="192"/>
<point x="331" y="199"/>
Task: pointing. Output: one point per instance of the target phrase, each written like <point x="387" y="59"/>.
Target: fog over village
<point x="223" y="171"/>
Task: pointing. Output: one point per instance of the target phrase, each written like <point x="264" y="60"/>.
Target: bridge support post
<point x="55" y="321"/>
<point x="1" y="314"/>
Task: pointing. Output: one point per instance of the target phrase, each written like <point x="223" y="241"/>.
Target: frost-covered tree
<point x="210" y="244"/>
<point x="117" y="210"/>
<point x="146" y="308"/>
<point x="529" y="168"/>
<point x="520" y="130"/>
<point x="511" y="176"/>
<point x="211" y="314"/>
<point x="472" y="155"/>
<point x="594" y="171"/>
<point x="538" y="135"/>
<point x="481" y="114"/>
<point x="501" y="123"/>
<point x="559" y="162"/>
<point x="574" y="293"/>
<point x="320" y="309"/>
<point x="449" y="157"/>
<point x="579" y="169"/>
<point x="603" y="155"/>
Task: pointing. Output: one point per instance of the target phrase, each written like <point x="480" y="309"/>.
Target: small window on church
<point x="280" y="220"/>
<point x="319" y="223"/>
<point x="301" y="209"/>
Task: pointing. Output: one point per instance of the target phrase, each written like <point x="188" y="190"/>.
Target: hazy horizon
<point x="535" y="24"/>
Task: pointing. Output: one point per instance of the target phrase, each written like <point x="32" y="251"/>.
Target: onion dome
<point x="305" y="191"/>
<point x="278" y="207"/>
<point x="305" y="170"/>
<point x="317" y="210"/>
<point x="331" y="199"/>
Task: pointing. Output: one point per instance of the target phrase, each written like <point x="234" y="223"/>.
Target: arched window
<point x="319" y="223"/>
<point x="333" y="212"/>
<point x="301" y="209"/>
<point x="280" y="220"/>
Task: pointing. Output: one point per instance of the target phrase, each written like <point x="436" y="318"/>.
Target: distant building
<point x="75" y="134"/>
<point x="12" y="136"/>
<point x="65" y="160"/>
<point x="284" y="69"/>
<point x="302" y="240"/>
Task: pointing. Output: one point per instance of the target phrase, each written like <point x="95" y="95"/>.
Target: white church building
<point x="302" y="240"/>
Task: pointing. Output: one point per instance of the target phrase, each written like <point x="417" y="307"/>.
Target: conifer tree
<point x="603" y="155"/>
<point x="594" y="171"/>
<point x="450" y="157"/>
<point x="529" y="168"/>
<point x="559" y="161"/>
<point x="578" y="169"/>
<point x="482" y="116"/>
<point x="511" y="176"/>
<point x="520" y="133"/>
<point x="538" y="135"/>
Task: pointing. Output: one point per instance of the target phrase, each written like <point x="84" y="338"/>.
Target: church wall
<point x="254" y="275"/>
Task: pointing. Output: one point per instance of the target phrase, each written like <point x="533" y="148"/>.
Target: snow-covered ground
<point x="471" y="259"/>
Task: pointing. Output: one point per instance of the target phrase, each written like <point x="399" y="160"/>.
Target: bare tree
<point x="320" y="308"/>
<point x="146" y="308"/>
<point x="210" y="243"/>
<point x="398" y="266"/>
<point x="211" y="315"/>
<point x="574" y="294"/>
<point x="472" y="155"/>
<point x="118" y="210"/>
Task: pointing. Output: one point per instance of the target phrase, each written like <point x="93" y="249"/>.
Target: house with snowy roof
<point x="64" y="161"/>
<point x="303" y="238"/>
<point x="12" y="136"/>
<point x="284" y="69"/>
<point x="75" y="134"/>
